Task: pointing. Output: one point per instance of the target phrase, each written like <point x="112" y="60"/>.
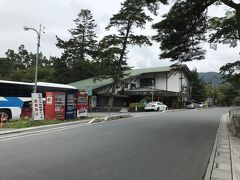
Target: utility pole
<point x="152" y="89"/>
<point x="213" y="84"/>
<point x="181" y="84"/>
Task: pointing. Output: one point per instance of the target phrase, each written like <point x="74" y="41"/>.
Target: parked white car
<point x="156" y="106"/>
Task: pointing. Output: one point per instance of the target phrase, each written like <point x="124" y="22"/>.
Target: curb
<point x="176" y="110"/>
<point x="210" y="162"/>
<point x="109" y="118"/>
<point x="234" y="176"/>
<point x="43" y="127"/>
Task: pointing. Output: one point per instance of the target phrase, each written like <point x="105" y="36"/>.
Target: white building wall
<point x="161" y="81"/>
<point x="137" y="82"/>
<point x="173" y="82"/>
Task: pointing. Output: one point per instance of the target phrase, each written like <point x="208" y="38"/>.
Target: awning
<point x="148" y="92"/>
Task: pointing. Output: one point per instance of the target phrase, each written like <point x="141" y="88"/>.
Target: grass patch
<point x="30" y="123"/>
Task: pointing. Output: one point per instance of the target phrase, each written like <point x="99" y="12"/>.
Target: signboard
<point x="82" y="104"/>
<point x="88" y="90"/>
<point x="37" y="106"/>
<point x="49" y="100"/>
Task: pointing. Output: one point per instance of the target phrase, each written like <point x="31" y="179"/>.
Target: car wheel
<point x="4" y="115"/>
<point x="158" y="109"/>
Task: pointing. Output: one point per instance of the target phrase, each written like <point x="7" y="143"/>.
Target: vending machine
<point x="82" y="104"/>
<point x="71" y="106"/>
<point x="55" y="105"/>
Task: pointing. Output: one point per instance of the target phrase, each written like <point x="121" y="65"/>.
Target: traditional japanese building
<point x="169" y="85"/>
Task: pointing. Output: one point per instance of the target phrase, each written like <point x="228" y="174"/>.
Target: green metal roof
<point x="81" y="85"/>
<point x="135" y="72"/>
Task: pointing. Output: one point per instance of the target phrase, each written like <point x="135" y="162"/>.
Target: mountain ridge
<point x="211" y="77"/>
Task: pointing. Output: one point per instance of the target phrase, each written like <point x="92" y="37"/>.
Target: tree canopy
<point x="20" y="66"/>
<point x="184" y="28"/>
<point x="113" y="48"/>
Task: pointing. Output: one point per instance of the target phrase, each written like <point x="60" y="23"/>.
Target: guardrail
<point x="234" y="115"/>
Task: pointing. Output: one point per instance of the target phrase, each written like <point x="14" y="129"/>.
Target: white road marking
<point x="56" y="129"/>
<point x="32" y="133"/>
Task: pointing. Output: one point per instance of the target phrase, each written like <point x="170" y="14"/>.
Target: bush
<point x="140" y="106"/>
<point x="236" y="101"/>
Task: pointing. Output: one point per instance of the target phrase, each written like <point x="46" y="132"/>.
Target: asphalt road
<point x="158" y="146"/>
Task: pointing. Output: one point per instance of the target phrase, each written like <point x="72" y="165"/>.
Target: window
<point x="147" y="82"/>
<point x="133" y="86"/>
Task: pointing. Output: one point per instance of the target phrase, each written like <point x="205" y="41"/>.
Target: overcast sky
<point x="57" y="16"/>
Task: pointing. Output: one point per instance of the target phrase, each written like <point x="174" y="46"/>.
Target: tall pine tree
<point x="80" y="49"/>
<point x="113" y="48"/>
<point x="82" y="44"/>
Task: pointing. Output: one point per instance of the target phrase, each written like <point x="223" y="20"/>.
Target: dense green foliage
<point x="184" y="27"/>
<point x="197" y="87"/>
<point x="223" y="95"/>
<point x="181" y="31"/>
<point x="20" y="66"/>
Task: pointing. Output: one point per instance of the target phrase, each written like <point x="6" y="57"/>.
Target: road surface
<point x="154" y="146"/>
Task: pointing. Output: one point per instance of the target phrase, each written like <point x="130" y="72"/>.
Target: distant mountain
<point x="211" y="77"/>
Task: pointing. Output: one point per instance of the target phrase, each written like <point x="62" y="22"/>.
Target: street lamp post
<point x="152" y="88"/>
<point x="37" y="56"/>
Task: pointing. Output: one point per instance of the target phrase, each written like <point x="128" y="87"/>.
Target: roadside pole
<point x="1" y="125"/>
<point x="88" y="91"/>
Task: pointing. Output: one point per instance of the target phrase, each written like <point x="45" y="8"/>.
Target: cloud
<point x="58" y="15"/>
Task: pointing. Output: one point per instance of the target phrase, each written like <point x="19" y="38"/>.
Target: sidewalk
<point x="224" y="163"/>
